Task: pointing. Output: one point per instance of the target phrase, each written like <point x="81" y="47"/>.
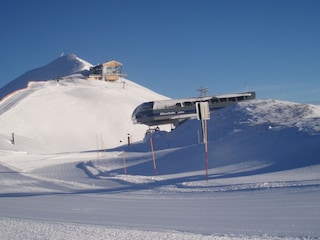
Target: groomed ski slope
<point x="264" y="180"/>
<point x="70" y="114"/>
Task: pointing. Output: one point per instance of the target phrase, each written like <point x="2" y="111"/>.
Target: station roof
<point x="112" y="63"/>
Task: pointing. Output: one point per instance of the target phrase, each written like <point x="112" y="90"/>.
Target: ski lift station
<point x="108" y="71"/>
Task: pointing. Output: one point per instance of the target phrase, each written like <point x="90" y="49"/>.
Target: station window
<point x="214" y="100"/>
<point x="187" y="104"/>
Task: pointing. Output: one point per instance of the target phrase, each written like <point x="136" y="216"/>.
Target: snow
<point x="69" y="115"/>
<point x="64" y="178"/>
<point x="63" y="66"/>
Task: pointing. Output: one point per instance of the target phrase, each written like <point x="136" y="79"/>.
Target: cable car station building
<point x="108" y="71"/>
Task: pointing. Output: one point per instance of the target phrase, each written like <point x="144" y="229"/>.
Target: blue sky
<point x="174" y="46"/>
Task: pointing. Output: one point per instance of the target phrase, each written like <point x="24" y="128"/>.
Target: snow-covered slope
<point x="60" y="67"/>
<point x="53" y="108"/>
<point x="254" y="137"/>
<point x="263" y="177"/>
<point x="72" y="115"/>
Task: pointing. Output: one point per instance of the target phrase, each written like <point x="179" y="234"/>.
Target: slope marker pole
<point x="124" y="162"/>
<point x="13" y="141"/>
<point x="206" y="150"/>
<point x="153" y="156"/>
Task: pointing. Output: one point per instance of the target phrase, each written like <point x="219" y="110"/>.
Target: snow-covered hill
<point x="63" y="66"/>
<point x="59" y="110"/>
<point x="258" y="136"/>
<point x="70" y="168"/>
<point x="72" y="115"/>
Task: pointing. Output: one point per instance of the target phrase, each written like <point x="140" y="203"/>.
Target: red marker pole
<point x="204" y="125"/>
<point x="129" y="140"/>
<point x="153" y="157"/>
<point x="206" y="150"/>
<point x="124" y="163"/>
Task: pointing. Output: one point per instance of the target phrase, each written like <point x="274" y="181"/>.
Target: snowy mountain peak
<point x="62" y="66"/>
<point x="69" y="64"/>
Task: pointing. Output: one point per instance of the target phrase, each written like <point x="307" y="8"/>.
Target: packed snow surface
<point x="70" y="173"/>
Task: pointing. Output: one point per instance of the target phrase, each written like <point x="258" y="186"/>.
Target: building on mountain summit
<point x="108" y="71"/>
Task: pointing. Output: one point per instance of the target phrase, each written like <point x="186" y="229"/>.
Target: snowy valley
<point x="70" y="173"/>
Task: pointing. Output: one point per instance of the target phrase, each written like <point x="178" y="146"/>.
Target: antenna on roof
<point x="203" y="91"/>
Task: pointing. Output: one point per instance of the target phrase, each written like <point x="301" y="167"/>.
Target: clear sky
<point x="174" y="47"/>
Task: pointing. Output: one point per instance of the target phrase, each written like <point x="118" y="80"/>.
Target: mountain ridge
<point x="60" y="67"/>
